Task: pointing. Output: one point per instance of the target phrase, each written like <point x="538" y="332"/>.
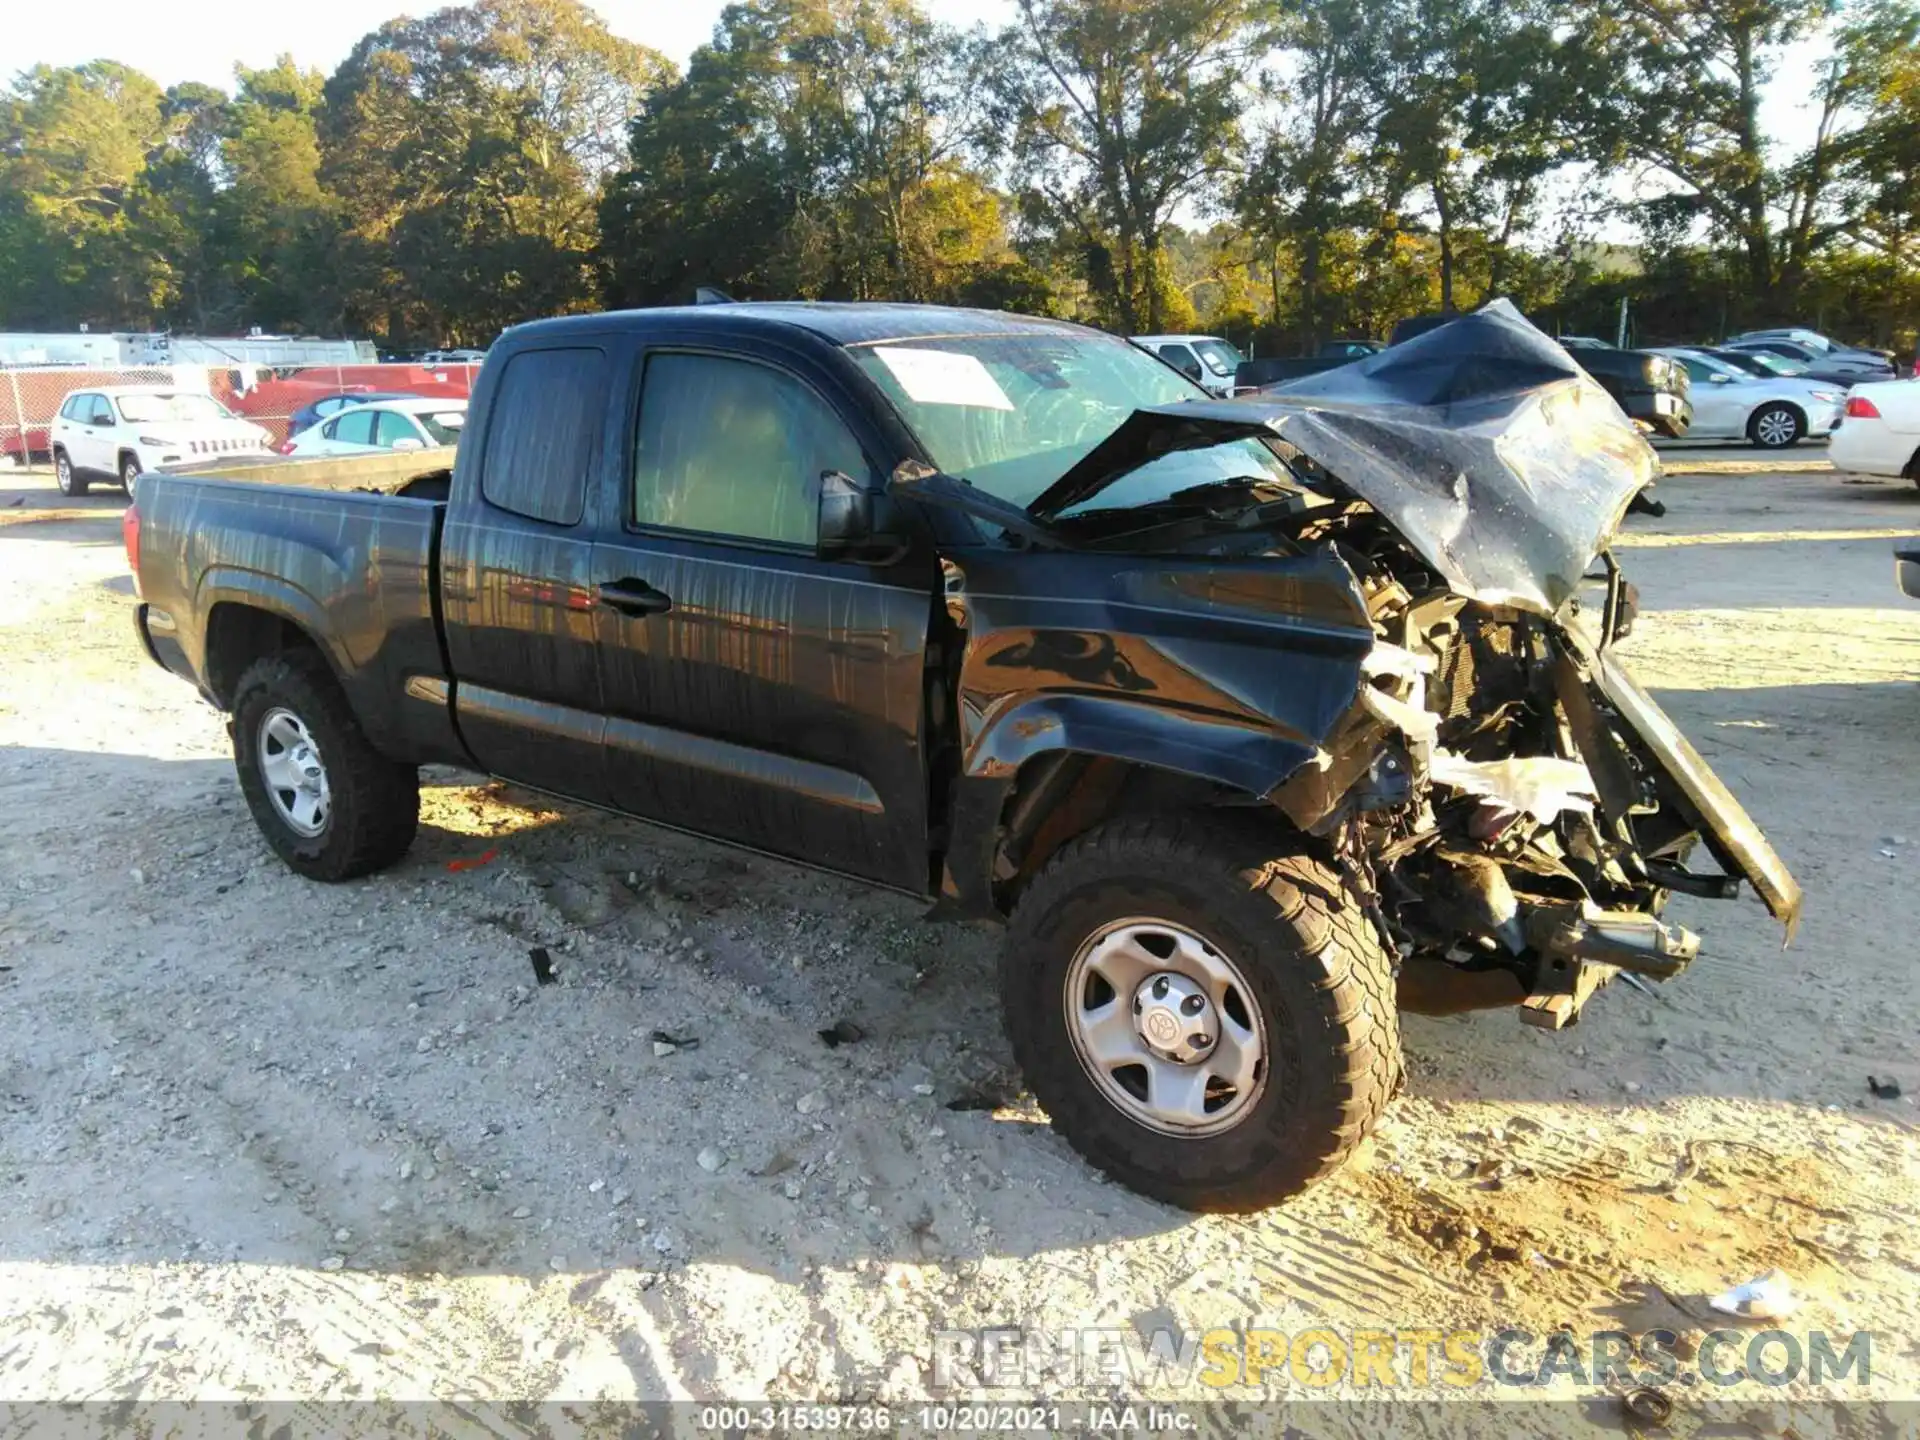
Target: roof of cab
<point x="841" y="323"/>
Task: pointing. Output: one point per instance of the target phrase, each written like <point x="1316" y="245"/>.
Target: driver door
<point x="753" y="691"/>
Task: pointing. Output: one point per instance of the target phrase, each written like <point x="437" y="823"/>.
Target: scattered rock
<point x="811" y="1103"/>
<point x="523" y="1213"/>
<point x="334" y="1262"/>
<point x="137" y="875"/>
<point x="677" y="1042"/>
<point x="1883" y="1089"/>
<point x="342" y="1235"/>
<point x="842" y="1032"/>
<point x="711" y="1160"/>
<point x="661" y="1049"/>
<point x="406" y="1169"/>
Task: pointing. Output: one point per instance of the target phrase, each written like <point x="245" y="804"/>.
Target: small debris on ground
<point x="1883" y="1089"/>
<point x="678" y="1042"/>
<point x="542" y="964"/>
<point x="842" y="1032"/>
<point x="1770" y="1297"/>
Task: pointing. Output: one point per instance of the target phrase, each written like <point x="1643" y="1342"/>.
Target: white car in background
<point x="1881" y="432"/>
<point x="1207" y="360"/>
<point x="1731" y="404"/>
<point x="422" y="424"/>
<point x="114" y="432"/>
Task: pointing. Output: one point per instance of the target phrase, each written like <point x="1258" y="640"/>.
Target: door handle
<point x="633" y="597"/>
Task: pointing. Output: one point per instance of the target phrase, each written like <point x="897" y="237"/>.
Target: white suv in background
<point x="1207" y="360"/>
<point x="114" y="432"/>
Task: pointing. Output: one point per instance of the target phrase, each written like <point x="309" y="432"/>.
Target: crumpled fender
<point x="1229" y="671"/>
<point x="1243" y="755"/>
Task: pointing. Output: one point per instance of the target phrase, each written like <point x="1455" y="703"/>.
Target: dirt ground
<point x="264" y="1138"/>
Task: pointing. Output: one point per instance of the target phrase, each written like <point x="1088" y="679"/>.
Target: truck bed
<point x="353" y="567"/>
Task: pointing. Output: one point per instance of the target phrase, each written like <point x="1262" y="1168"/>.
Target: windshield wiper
<point x="952" y="492"/>
<point x="1174" y="520"/>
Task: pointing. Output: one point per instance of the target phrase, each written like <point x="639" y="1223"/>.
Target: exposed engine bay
<point x="1517" y="847"/>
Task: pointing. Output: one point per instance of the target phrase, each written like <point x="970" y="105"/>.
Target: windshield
<point x="1221" y="357"/>
<point x="1012" y="413"/>
<point x="144" y="409"/>
<point x="442" y="426"/>
<point x="1704" y="367"/>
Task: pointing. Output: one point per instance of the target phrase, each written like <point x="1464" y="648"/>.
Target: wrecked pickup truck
<point x="1253" y="721"/>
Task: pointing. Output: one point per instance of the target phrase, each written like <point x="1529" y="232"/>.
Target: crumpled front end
<point x="1518" y="809"/>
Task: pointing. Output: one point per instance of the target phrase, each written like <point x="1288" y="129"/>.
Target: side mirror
<point x="865" y="526"/>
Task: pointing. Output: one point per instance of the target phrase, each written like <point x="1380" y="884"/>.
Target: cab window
<point x="549" y="411"/>
<point x="731" y="447"/>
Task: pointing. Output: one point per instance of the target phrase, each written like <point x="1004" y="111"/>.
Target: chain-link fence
<point x="280" y="399"/>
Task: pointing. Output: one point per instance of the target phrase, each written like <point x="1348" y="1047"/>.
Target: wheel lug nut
<point x="1192" y="1005"/>
<point x="1160" y="988"/>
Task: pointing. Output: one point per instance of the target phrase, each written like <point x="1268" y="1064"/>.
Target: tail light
<point x="285" y="447"/>
<point x="130" y="537"/>
<point x="1859" y="407"/>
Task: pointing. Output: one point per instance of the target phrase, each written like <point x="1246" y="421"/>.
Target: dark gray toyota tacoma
<point x="1254" y="721"/>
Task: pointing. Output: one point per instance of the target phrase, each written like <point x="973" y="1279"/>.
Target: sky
<point x="173" y="40"/>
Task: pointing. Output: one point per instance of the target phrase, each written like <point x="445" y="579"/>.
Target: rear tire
<point x="1310" y="975"/>
<point x="1776" y="425"/>
<point x="66" y="477"/>
<point x="367" y="807"/>
<point x="129" y="472"/>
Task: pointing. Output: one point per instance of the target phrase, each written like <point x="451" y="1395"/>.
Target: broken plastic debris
<point x="1768" y="1298"/>
<point x="1541" y="785"/>
<point x="485" y="857"/>
<point x="542" y="964"/>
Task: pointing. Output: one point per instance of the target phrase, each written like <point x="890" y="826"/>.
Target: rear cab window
<point x="549" y="407"/>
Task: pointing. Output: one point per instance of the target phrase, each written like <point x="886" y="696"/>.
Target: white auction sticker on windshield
<point x="944" y="377"/>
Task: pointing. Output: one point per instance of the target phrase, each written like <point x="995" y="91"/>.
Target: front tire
<point x="331" y="806"/>
<point x="1775" y="426"/>
<point x="66" y="477"/>
<point x="1206" y="1013"/>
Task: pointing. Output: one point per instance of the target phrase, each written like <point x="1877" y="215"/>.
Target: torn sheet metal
<point x="1502" y="463"/>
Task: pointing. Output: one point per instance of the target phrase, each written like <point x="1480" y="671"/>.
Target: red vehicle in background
<point x="274" y="396"/>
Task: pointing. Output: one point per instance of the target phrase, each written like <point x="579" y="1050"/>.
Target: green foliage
<point x="815" y="149"/>
<point x="1283" y="171"/>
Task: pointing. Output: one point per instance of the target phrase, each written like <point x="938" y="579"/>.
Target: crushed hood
<point x="1497" y="458"/>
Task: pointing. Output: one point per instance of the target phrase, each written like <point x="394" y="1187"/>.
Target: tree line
<point x="1284" y="171"/>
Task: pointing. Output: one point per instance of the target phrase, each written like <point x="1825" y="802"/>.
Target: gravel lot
<point x="260" y="1137"/>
